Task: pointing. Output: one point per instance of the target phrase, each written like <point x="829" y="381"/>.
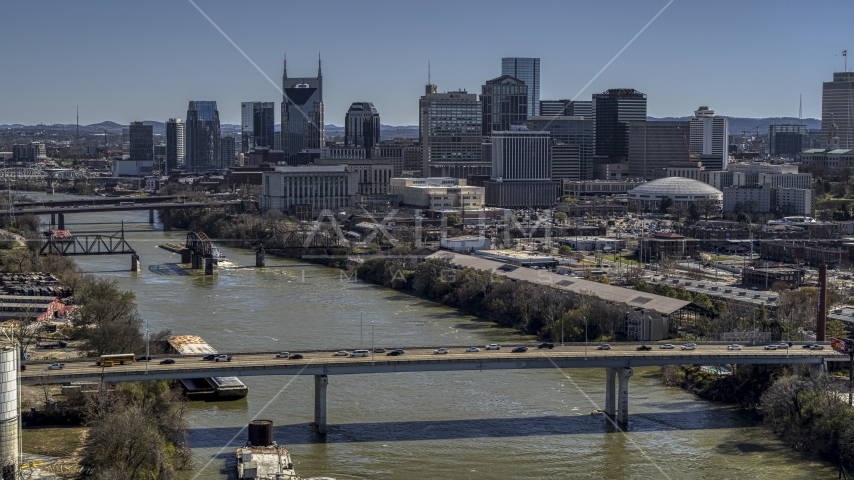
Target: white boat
<point x="267" y="463"/>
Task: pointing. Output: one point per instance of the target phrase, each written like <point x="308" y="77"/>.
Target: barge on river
<point x="267" y="462"/>
<point x="210" y="388"/>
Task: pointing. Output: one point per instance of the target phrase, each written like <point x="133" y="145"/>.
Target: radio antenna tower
<point x="77" y="138"/>
<point x="801" y="108"/>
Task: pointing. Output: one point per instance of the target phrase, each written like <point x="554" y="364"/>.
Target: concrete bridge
<point x="617" y="362"/>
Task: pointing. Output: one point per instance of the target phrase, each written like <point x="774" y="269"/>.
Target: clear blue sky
<point x="126" y="61"/>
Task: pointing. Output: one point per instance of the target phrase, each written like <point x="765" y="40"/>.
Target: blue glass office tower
<point x="302" y="113"/>
<point x="202" y="144"/>
<point x="527" y="70"/>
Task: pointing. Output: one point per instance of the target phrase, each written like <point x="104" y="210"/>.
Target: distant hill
<point x="740" y="124"/>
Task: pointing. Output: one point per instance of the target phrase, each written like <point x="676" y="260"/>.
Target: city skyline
<point x="113" y="75"/>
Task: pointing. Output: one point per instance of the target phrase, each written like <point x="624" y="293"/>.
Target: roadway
<point x="114" y="208"/>
<point x="420" y="360"/>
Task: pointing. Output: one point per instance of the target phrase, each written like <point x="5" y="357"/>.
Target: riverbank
<point x="804" y="411"/>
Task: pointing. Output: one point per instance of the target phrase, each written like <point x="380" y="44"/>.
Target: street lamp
<point x="361" y="324"/>
<point x="372" y="341"/>
<point x="585" y="337"/>
<point x="147" y="342"/>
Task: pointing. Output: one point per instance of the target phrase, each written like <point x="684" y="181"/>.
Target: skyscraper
<point x="521" y="170"/>
<point x="568" y="108"/>
<point x="362" y="126"/>
<point x="202" y="143"/>
<point x="787" y="140"/>
<point x="451" y="136"/>
<point x="575" y="131"/>
<point x="504" y="102"/>
<point x="141" y="142"/>
<point x="710" y="135"/>
<point x="527" y="70"/>
<point x="654" y="146"/>
<point x="837" y="108"/>
<point x="302" y="113"/>
<point x="228" y="151"/>
<point x="174" y="144"/>
<point x="256" y="125"/>
<point x="614" y="109"/>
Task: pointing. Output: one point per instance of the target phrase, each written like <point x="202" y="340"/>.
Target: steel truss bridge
<point x="24" y="173"/>
<point x="114" y="244"/>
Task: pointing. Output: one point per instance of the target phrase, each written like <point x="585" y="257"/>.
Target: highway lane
<point x="328" y="359"/>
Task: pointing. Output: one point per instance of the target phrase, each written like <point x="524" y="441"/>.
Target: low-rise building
<point x="646" y="326"/>
<point x="714" y="235"/>
<point x="311" y="188"/>
<point x="766" y="277"/>
<point x="580" y="188"/>
<point x="466" y="243"/>
<point x="669" y="245"/>
<point x="437" y="193"/>
<point x="588" y="244"/>
<point x="132" y="168"/>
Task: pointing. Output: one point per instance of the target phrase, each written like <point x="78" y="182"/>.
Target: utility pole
<point x="361" y="324"/>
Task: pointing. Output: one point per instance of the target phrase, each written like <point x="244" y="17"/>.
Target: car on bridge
<point x="222" y="358"/>
<point x="546" y="345"/>
<point x="493" y="346"/>
<point x="209" y="356"/>
<point x="520" y="349"/>
<point x="283" y="355"/>
<point x="56" y="366"/>
<point x="341" y="353"/>
<point x="379" y="350"/>
<point x="395" y="353"/>
<point x="472" y="349"/>
<point x="604" y="346"/>
<point x="167" y="361"/>
<point x="734" y="347"/>
<point x="440" y="351"/>
<point x="816" y="347"/>
<point x="667" y="346"/>
<point x="360" y="353"/>
<point x="644" y="348"/>
<point x="770" y="347"/>
<point x="689" y="346"/>
<point x="295" y="356"/>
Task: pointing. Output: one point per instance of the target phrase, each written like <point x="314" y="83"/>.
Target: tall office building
<point x="202" y="144"/>
<point x="614" y="109"/>
<point x="837" y="108"/>
<point x="362" y="126"/>
<point x="174" y="144"/>
<point x="787" y="140"/>
<point x="449" y="127"/>
<point x="575" y="131"/>
<point x="566" y="108"/>
<point x="229" y="152"/>
<point x="504" y="102"/>
<point x="141" y="141"/>
<point x="527" y="70"/>
<point x="302" y="113"/>
<point x="710" y="136"/>
<point x="257" y="120"/>
<point x="521" y="170"/>
<point x="654" y="146"/>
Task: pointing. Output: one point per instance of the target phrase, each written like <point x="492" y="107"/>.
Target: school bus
<point x="120" y="358"/>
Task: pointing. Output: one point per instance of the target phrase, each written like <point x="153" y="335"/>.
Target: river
<point x="461" y="425"/>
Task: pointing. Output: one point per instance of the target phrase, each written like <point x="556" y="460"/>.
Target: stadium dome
<point x="678" y="189"/>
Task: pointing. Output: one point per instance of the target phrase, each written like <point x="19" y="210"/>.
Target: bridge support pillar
<point x="10" y="432"/>
<point x="320" y="383"/>
<point x="186" y="255"/>
<point x="623" y="376"/>
<point x="150" y="215"/>
<point x="210" y="266"/>
<point x="610" y="397"/>
<point x="166" y="218"/>
<point x="260" y="261"/>
<point x="134" y="262"/>
<point x="49" y="189"/>
<point x="52" y="219"/>
<point x="60" y="221"/>
<point x="196" y="261"/>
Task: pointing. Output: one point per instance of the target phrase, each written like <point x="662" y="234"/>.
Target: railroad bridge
<point x="199" y="252"/>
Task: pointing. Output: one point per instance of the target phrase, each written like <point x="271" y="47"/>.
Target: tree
<point x="707" y="207"/>
<point x="560" y="217"/>
<point x="836" y="329"/>
<point x="743" y="217"/>
<point x="454" y="219"/>
<point x="564" y="250"/>
<point x="107" y="319"/>
<point x="665" y="204"/>
<point x="603" y="279"/>
<point x="694" y="212"/>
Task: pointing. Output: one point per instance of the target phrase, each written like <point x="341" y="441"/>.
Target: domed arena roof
<point x="672" y="186"/>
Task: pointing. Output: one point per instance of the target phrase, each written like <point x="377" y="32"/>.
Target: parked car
<point x="56" y="366"/>
<point x="546" y="345"/>
<point x="520" y="349"/>
<point x="209" y="356"/>
<point x="604" y="346"/>
<point x="283" y="355"/>
<point x="493" y="346"/>
<point x="341" y="353"/>
<point x="770" y="347"/>
<point x="168" y="361"/>
<point x="689" y="346"/>
<point x="440" y="351"/>
<point x="734" y="347"/>
<point x="667" y="346"/>
<point x="816" y="347"/>
<point x="221" y="358"/>
<point x="644" y="348"/>
<point x="360" y="353"/>
<point x="472" y="349"/>
<point x="379" y="350"/>
<point x="295" y="356"/>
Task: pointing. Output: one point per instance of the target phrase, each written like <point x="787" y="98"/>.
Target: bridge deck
<point x="115" y="208"/>
<point x="419" y="360"/>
